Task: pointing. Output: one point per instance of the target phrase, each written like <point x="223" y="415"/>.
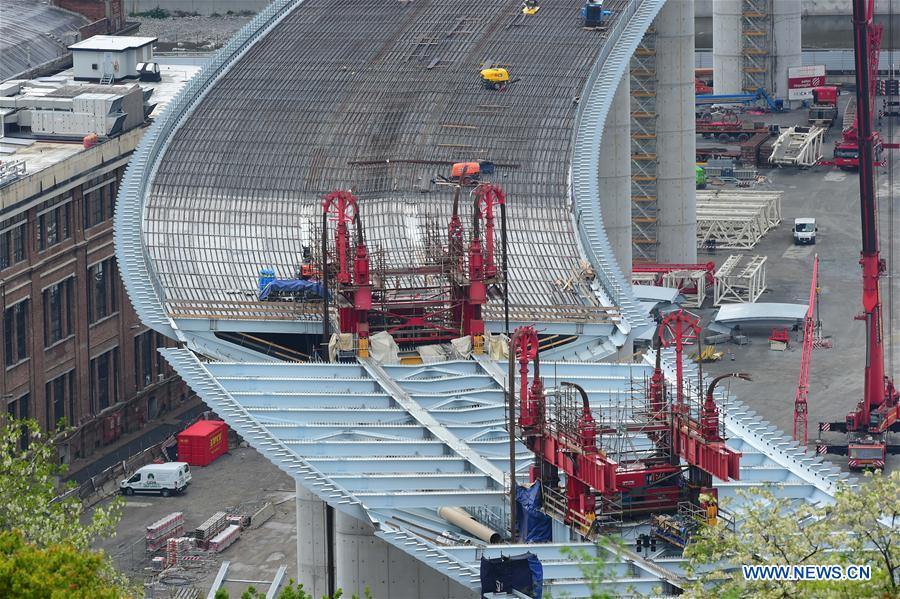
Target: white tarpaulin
<point x="497" y="346"/>
<point x="383" y="349"/>
<point x="339" y="342"/>
<point x="462" y="346"/>
<point x="432" y="353"/>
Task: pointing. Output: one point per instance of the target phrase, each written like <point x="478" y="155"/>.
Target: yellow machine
<point x="494" y="77"/>
<point x="530" y="7"/>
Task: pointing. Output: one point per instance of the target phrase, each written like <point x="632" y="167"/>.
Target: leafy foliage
<point x="44" y="547"/>
<point x="28" y="493"/>
<point x="291" y="591"/>
<point x="57" y="570"/>
<point x="862" y="527"/>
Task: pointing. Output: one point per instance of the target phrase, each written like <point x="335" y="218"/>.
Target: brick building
<point x="73" y="347"/>
<point x="105" y="16"/>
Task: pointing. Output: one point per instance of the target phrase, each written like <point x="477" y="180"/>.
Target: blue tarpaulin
<point x="293" y="287"/>
<point x="523" y="573"/>
<point x="533" y="524"/>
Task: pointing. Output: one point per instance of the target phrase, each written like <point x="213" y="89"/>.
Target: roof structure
<point x="228" y="179"/>
<point x="384" y="117"/>
<point x="33" y="33"/>
<point x="112" y="43"/>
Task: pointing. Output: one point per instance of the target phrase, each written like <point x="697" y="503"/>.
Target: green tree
<point x="58" y="570"/>
<point x="291" y="591"/>
<point x="29" y="493"/>
<point x="42" y="529"/>
<point x="862" y="527"/>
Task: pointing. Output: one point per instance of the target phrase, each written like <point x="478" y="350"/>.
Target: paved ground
<point x="832" y="197"/>
<point x="241" y="478"/>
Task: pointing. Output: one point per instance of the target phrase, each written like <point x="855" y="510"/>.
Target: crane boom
<point x="801" y="413"/>
<point x="879" y="411"/>
<point x="872" y="265"/>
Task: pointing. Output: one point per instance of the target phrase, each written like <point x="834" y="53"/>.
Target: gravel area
<point x="191" y="33"/>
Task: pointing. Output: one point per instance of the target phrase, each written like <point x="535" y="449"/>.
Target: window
<point x="12" y="241"/>
<point x="15" y="333"/>
<point x="57" y="312"/>
<point x="148" y="363"/>
<point x="94" y="66"/>
<point x="53" y="224"/>
<point x="105" y="380"/>
<point x="59" y="392"/>
<point x="100" y="202"/>
<point x="102" y="290"/>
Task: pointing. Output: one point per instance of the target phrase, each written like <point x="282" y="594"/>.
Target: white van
<point x="804" y="230"/>
<point x="165" y="479"/>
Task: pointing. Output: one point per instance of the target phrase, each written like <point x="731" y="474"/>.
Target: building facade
<point x="73" y="348"/>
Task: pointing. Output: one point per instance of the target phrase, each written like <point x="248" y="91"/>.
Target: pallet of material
<point x="221" y="541"/>
<point x="160" y="542"/>
<point x="164" y="525"/>
<point x="213" y="526"/>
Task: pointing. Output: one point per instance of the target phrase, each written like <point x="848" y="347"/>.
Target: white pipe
<point x="462" y="519"/>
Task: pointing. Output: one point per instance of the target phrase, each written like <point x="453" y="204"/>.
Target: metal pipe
<point x="465" y="521"/>
<point x="505" y="269"/>
<point x="511" y="403"/>
<point x="325" y="324"/>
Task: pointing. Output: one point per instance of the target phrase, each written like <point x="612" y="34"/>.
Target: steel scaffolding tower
<point x="757" y="33"/>
<point x="643" y="150"/>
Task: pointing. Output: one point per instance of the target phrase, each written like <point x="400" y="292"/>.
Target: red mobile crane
<point x="801" y="407"/>
<point x="847" y="150"/>
<point x="879" y="411"/>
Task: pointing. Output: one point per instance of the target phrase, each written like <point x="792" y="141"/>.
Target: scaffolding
<point x="740" y="281"/>
<point x="644" y="161"/>
<point x="757" y="35"/>
<point x="798" y="146"/>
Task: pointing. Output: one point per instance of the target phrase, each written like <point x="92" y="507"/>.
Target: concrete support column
<point x="312" y="557"/>
<point x="363" y="560"/>
<point x="787" y="52"/>
<point x="615" y="176"/>
<point x="727" y="58"/>
<point x="676" y="133"/>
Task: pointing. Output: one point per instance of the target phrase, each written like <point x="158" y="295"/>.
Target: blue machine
<point x="592" y="13"/>
<point x="750" y="98"/>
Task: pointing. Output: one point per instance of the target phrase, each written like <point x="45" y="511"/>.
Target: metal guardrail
<point x="590" y="117"/>
<point x="141" y="284"/>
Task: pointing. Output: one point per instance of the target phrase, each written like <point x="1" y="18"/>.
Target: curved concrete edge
<point x="596" y="100"/>
<point x="141" y="283"/>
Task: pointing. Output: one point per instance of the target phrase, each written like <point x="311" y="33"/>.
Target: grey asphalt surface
<point x="836" y="375"/>
<point x="240" y="479"/>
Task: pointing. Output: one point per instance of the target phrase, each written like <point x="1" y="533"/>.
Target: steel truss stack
<point x="740" y="283"/>
<point x="644" y="160"/>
